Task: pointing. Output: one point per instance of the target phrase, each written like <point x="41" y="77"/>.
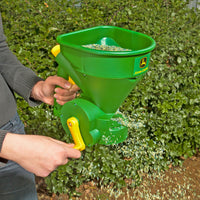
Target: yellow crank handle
<point x="73" y="126"/>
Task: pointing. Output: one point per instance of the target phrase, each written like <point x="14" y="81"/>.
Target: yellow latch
<point x="71" y="81"/>
<point x="73" y="126"/>
<point x="55" y="50"/>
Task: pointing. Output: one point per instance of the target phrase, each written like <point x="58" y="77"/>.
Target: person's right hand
<point x="37" y="154"/>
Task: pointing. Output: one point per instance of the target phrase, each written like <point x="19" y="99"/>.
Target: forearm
<point x="19" y="78"/>
<point x="12" y="147"/>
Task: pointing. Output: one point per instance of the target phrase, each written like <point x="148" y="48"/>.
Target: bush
<point x="163" y="109"/>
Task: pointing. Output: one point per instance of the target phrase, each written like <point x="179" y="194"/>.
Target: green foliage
<point x="166" y="102"/>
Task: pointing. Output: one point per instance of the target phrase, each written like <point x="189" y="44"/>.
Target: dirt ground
<point x="178" y="183"/>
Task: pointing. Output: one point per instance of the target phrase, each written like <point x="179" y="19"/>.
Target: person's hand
<point x="46" y="91"/>
<point x="37" y="154"/>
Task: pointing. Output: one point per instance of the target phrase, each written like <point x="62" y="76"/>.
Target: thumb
<point x="70" y="151"/>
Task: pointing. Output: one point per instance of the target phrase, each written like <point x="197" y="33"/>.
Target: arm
<point x="37" y="154"/>
<point x="24" y="81"/>
<point x="40" y="154"/>
<point x="19" y="78"/>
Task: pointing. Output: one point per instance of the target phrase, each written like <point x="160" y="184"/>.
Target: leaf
<point x="179" y="60"/>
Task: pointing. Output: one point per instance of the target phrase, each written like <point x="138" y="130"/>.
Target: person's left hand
<point x="46" y="91"/>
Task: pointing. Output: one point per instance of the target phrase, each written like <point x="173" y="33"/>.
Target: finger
<point x="59" y="81"/>
<point x="74" y="88"/>
<point x="65" y="161"/>
<point x="63" y="102"/>
<point x="64" y="92"/>
<point x="72" y="153"/>
<point x="71" y="145"/>
<point x="64" y="98"/>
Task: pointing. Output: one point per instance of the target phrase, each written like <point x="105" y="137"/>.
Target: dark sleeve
<point x="19" y="78"/>
<point x="2" y="136"/>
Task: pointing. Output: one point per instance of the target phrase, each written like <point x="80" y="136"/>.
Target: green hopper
<point x="105" y="77"/>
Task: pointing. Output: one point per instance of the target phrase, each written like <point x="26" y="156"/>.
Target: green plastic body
<point x="105" y="78"/>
